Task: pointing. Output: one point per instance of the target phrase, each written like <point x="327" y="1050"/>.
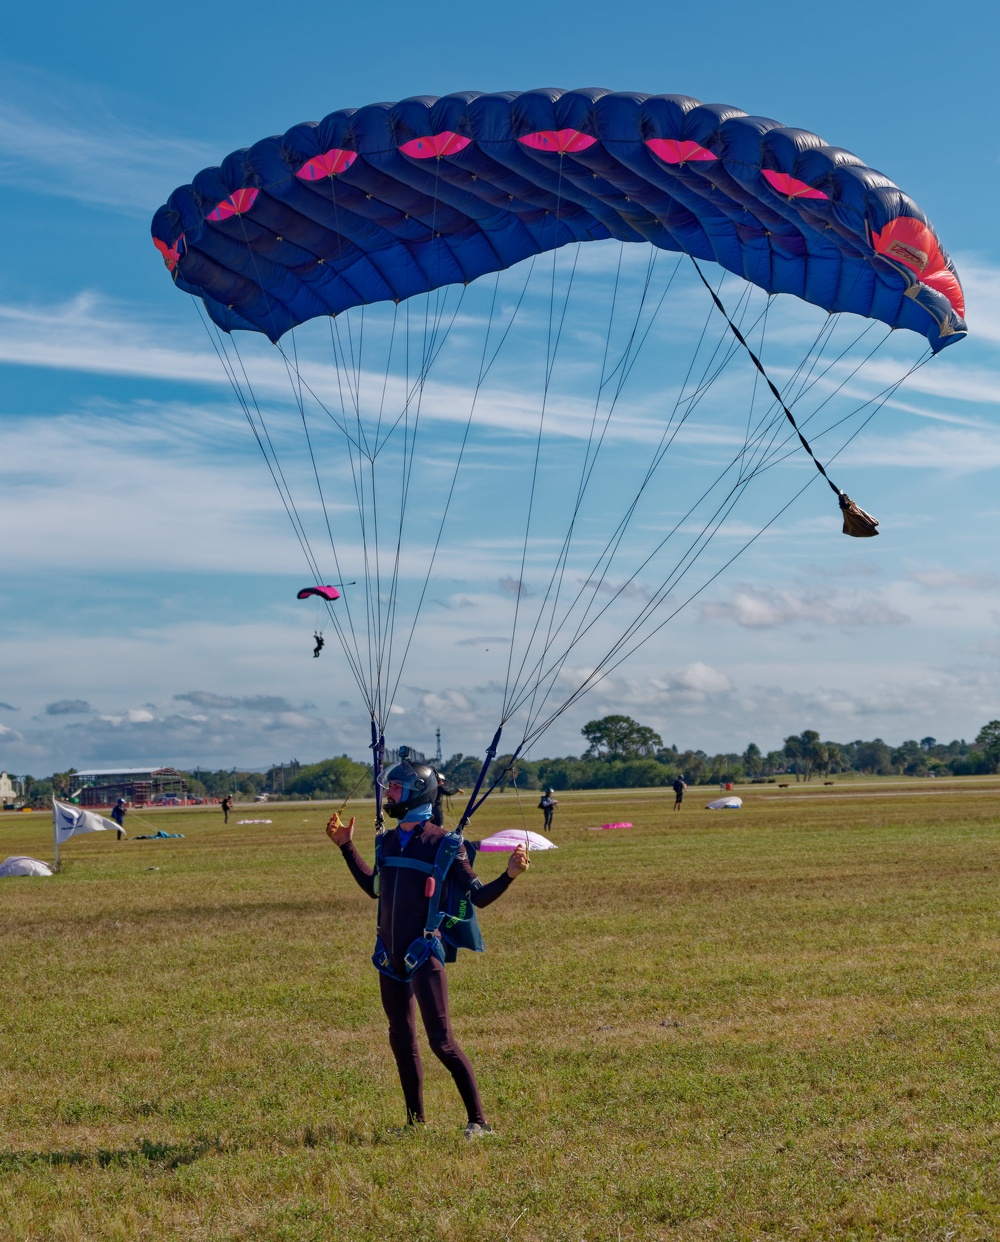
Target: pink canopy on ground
<point x="606" y="827"/>
<point x="508" y="839"/>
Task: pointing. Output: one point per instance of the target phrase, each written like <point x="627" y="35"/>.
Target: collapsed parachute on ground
<point x="725" y="804"/>
<point x="353" y="244"/>
<point x="20" y="864"/>
<point x="508" y="839"/>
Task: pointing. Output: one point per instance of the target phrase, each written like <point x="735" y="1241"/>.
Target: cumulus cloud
<point x="760" y="608"/>
<point x="68" y="707"/>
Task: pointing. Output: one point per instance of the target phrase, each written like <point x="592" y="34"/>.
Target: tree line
<point x="621" y="753"/>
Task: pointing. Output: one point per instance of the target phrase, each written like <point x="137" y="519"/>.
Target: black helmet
<point x="419" y="782"/>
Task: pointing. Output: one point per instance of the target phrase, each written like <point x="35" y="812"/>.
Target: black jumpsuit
<point x="402" y="915"/>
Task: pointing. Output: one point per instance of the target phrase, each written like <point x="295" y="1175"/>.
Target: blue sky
<point x="147" y="573"/>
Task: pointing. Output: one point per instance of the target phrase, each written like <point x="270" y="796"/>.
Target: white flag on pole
<point x="69" y="821"/>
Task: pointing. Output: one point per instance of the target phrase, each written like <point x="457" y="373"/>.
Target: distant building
<point x="10" y="794"/>
<point x="104" y="786"/>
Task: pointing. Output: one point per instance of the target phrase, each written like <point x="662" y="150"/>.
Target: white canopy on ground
<point x="508" y="839"/>
<point x="18" y="864"/>
<point x="725" y="804"/>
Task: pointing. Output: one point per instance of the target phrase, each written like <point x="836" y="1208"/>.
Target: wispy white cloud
<point x="951" y="579"/>
<point x="757" y="608"/>
<point x="74" y="140"/>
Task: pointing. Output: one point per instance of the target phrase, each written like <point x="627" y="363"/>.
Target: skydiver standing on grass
<point x="403" y="886"/>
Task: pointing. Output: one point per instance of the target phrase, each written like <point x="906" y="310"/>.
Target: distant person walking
<point x="678" y="787"/>
<point x="227" y="806"/>
<point x="547" y="805"/>
<point x="118" y="813"/>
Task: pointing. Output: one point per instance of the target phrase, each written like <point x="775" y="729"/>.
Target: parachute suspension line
<point x="683" y="565"/>
<point x="553" y="339"/>
<point x="378" y="759"/>
<point x="777" y="450"/>
<point x="485" y="366"/>
<point x="806" y="381"/>
<point x="621" y="369"/>
<point x="551" y="348"/>
<point x="856" y="521"/>
<point x="595" y="580"/>
<point x="606" y="669"/>
<point x="358" y="443"/>
<point x="354" y="656"/>
<point x="433" y="342"/>
<point x="876" y="402"/>
<point x="622" y="651"/>
<point x="355" y="668"/>
<point x="262" y="436"/>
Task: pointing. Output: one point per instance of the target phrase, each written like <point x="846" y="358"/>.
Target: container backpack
<point x="451" y="922"/>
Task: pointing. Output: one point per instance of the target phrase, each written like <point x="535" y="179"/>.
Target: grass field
<point x="779" y="1022"/>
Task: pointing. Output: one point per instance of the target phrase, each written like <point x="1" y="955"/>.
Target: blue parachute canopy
<point x="391" y="200"/>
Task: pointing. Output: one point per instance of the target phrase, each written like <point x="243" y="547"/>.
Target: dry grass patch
<point x="779" y="1022"/>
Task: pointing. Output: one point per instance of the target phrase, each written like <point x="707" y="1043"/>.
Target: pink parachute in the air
<point x="324" y="592"/>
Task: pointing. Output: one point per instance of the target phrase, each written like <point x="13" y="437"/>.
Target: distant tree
<point x="63" y="783"/>
<point x="774" y="762"/>
<point x="462" y="770"/>
<point x="874" y="757"/>
<point x="753" y="760"/>
<point x="793" y="753"/>
<point x="928" y="743"/>
<point x="333" y="778"/>
<point x="988" y="741"/>
<point x="620" y="737"/>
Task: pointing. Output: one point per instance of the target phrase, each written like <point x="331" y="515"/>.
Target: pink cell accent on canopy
<point x="433" y="146"/>
<point x="790" y="186"/>
<point x="565" y="141"/>
<point x="678" y="151"/>
<point x="236" y="204"/>
<point x="171" y="254"/>
<point x="910" y="242"/>
<point x="324" y="592"/>
<point x="326" y="165"/>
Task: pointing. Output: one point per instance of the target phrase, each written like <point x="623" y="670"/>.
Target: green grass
<point x="781" y="1022"/>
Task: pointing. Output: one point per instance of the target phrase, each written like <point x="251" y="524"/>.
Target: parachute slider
<point x="857" y="522"/>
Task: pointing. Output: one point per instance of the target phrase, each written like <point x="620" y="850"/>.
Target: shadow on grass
<point x="145" y="1152"/>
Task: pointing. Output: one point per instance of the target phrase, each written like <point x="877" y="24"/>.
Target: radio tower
<point x="437" y="757"/>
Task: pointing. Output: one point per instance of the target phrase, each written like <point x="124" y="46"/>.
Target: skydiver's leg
<point x="397" y="1001"/>
<point x="430" y="984"/>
